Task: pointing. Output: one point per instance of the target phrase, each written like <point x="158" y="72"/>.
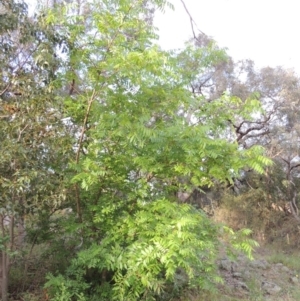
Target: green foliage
<point x="240" y="241"/>
<point x="100" y="119"/>
<point x="143" y="137"/>
<point x="34" y="138"/>
<point x="145" y="253"/>
<point x="30" y="121"/>
<point x="66" y="290"/>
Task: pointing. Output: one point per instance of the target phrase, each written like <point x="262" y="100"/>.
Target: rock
<point x="243" y="285"/>
<point x="285" y="269"/>
<point x="247" y="275"/>
<point x="242" y="258"/>
<point x="294" y="280"/>
<point x="234" y="267"/>
<point x="270" y="288"/>
<point x="226" y="264"/>
<point x="237" y="275"/>
<point x="259" y="264"/>
<point x="279" y="265"/>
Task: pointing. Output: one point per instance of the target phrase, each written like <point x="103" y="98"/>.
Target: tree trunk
<point x="4" y="270"/>
<point x="7" y="247"/>
<point x="20" y="224"/>
<point x="4" y="287"/>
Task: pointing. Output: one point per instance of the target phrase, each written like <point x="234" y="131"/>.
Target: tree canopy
<point x="105" y="136"/>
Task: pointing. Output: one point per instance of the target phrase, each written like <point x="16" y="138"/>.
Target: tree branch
<point x="192" y="21"/>
<point x="84" y="127"/>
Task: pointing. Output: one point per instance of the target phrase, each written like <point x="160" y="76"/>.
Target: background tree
<point x="274" y="128"/>
<point x="34" y="140"/>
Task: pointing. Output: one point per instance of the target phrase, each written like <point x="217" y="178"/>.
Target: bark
<point x="4" y="287"/>
<point x="4" y="272"/>
<point x="5" y="254"/>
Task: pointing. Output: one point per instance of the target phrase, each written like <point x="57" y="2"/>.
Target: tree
<point x="135" y="150"/>
<point x="34" y="140"/>
<point x="275" y="127"/>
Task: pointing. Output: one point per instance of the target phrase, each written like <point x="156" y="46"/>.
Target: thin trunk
<point x="4" y="280"/>
<point x="80" y="142"/>
<point x="26" y="261"/>
<point x="4" y="277"/>
<point x="21" y="225"/>
<point x="11" y="232"/>
<point x="294" y="208"/>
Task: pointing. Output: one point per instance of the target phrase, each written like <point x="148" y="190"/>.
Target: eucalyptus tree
<point x="277" y="130"/>
<point x="274" y="127"/>
<point x="34" y="140"/>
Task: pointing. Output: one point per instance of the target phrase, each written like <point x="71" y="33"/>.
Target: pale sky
<point x="266" y="31"/>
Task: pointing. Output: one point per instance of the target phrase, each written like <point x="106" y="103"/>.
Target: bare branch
<point x="294" y="208"/>
<point x="243" y="134"/>
<point x="5" y="89"/>
<point x="192" y="21"/>
<point x="255" y="135"/>
<point x="21" y="132"/>
<point x="295" y="166"/>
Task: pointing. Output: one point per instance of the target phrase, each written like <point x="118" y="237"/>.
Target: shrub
<point x="163" y="247"/>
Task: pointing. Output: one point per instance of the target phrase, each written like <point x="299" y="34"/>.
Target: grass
<point x="255" y="292"/>
<point x="295" y="294"/>
<point x="290" y="260"/>
<point x="207" y="296"/>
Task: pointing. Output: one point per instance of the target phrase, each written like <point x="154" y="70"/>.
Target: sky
<point x="266" y="31"/>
